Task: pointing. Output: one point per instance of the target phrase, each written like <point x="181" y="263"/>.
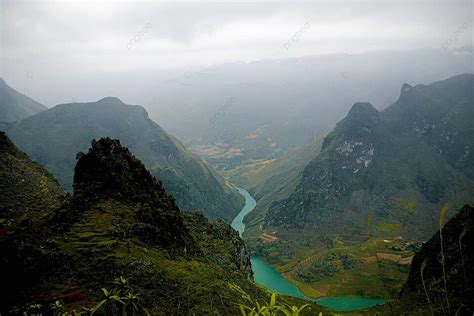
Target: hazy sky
<point x="85" y="36"/>
<point x="44" y="39"/>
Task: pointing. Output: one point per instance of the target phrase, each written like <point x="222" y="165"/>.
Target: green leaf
<point x="273" y="300"/>
<point x="443" y="213"/>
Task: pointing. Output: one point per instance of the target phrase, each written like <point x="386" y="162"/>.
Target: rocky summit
<point x="397" y="165"/>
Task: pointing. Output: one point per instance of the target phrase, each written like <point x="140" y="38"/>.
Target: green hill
<point x="53" y="137"/>
<point x="15" y="106"/>
<point x="119" y="222"/>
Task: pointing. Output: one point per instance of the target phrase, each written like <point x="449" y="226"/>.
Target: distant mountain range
<point x="54" y="136"/>
<point x="15" y="106"/>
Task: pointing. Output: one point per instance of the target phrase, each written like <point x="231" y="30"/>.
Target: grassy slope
<point x="28" y="191"/>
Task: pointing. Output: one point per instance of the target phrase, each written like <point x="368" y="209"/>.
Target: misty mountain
<point x="396" y="166"/>
<point x="238" y="111"/>
<point x="15" y="106"/>
<point x="53" y="137"/>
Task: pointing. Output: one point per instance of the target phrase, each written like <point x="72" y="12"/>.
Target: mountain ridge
<point x="358" y="140"/>
<point x="52" y="138"/>
<point x="379" y="176"/>
<point x="15" y="106"/>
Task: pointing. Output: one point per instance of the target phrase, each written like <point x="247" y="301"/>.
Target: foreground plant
<point x="122" y="300"/>
<point x="442" y="215"/>
<point x="271" y="309"/>
<point x="109" y="302"/>
<point x="461" y="236"/>
<point x="423" y="266"/>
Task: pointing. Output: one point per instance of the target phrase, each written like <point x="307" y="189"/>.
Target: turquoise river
<point x="266" y="275"/>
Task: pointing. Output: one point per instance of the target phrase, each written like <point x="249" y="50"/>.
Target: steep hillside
<point x="27" y="189"/>
<point x="425" y="288"/>
<point x="29" y="198"/>
<point x="372" y="193"/>
<point x="53" y="137"/>
<point x="397" y="165"/>
<point x="15" y="106"/>
<point x="272" y="180"/>
<point x="121" y="222"/>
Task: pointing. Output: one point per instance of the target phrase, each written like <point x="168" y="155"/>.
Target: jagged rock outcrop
<point x="398" y="165"/>
<point x="109" y="172"/>
<point x="121" y="221"/>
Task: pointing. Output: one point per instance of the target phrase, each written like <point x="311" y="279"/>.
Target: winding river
<point x="266" y="275"/>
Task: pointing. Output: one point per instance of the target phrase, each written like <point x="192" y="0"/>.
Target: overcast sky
<point x="69" y="38"/>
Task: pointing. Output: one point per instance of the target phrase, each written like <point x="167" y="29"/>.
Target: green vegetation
<point x="272" y="309"/>
<point x="375" y="268"/>
<point x="121" y="300"/>
<point x="388" y="229"/>
<point x="124" y="301"/>
<point x="119" y="222"/>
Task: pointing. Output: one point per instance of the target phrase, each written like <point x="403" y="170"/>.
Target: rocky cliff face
<point x="398" y="165"/>
<point x="109" y="173"/>
<point x="425" y="289"/>
<point x="121" y="221"/>
<point x="217" y="236"/>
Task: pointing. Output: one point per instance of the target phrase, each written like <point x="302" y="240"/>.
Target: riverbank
<point x="267" y="276"/>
